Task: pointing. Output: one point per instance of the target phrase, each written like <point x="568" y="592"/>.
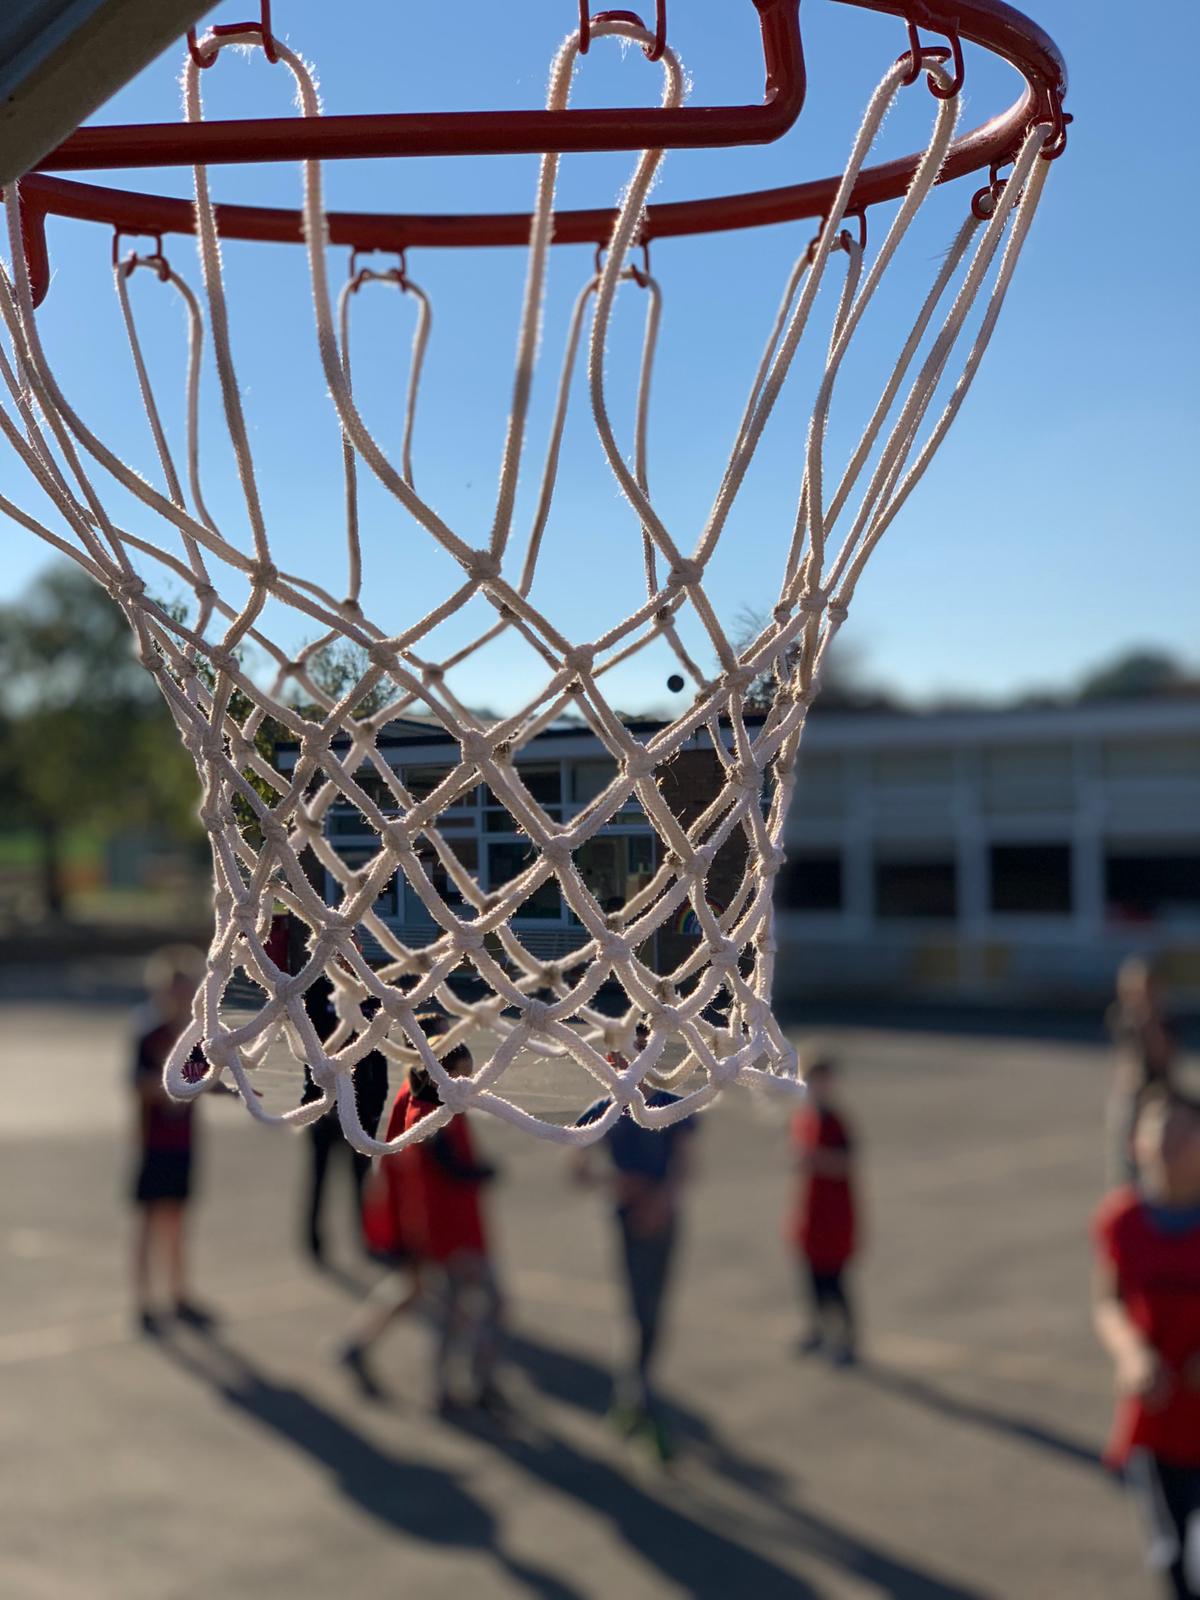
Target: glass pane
<point x="543" y="783"/>
<point x="590" y="778"/>
<point x="916" y="888"/>
<point x="812" y="882"/>
<point x="1032" y="879"/>
<point x="507" y="861"/>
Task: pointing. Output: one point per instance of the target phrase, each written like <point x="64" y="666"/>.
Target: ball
<point x="675" y="683"/>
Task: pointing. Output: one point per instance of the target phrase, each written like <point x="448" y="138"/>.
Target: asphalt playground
<point x="960" y="1460"/>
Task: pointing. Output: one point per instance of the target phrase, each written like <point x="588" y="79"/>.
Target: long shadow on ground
<point x="693" y="1554"/>
<point x="906" y="1387"/>
<point x="412" y="1498"/>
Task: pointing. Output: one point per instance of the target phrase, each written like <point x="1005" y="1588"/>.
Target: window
<point x="1033" y="777"/>
<point x="912" y="769"/>
<point x="507" y="861"/>
<point x="1148" y="884"/>
<point x="387" y="903"/>
<point x="811" y="881"/>
<point x="422" y="781"/>
<point x="1151" y="758"/>
<point x="590" y="778"/>
<point x="1031" y="879"/>
<point x="914" y="886"/>
<point x="820" y="784"/>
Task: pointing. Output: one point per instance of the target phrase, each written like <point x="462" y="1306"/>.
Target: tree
<point x="85" y="737"/>
<point x="842" y="687"/>
<point x="1140" y="674"/>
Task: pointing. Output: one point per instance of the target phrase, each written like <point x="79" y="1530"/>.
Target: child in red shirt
<point x="1148" y="1319"/>
<point x="437" y="1225"/>
<point x="823" y="1224"/>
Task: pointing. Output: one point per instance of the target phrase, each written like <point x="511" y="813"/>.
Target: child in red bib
<point x="823" y="1228"/>
<point x="435" y="1225"/>
<point x="1148" y="1318"/>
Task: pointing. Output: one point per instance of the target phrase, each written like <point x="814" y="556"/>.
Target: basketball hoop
<point x="267" y="823"/>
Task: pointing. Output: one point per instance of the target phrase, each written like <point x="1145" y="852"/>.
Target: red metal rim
<point x="992" y="24"/>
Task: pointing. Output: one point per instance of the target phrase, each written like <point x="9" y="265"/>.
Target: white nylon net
<point x="265" y="823"/>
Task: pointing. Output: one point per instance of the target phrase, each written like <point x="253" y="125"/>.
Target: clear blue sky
<point x="1058" y="524"/>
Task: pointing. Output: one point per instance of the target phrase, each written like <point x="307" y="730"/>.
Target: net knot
<point x="152" y="661"/>
<point x="127" y="587"/>
<point x="263" y="574"/>
<point x="613" y="948"/>
<point x="685" y="574"/>
<point x="747" y="779"/>
<point x="396" y="837"/>
<point x="772" y="858"/>
<point x="580" y="658"/>
<point x="222" y="660"/>
<point x="723" y="955"/>
<point x="698" y="863"/>
<point x="381" y="654"/>
<point x="740" y="679"/>
<point x="638" y="767"/>
<point x="536" y="1016"/>
<point x="475" y="749"/>
<point x="837" y="611"/>
<point x="205" y="593"/>
<point x="350" y="607"/>
<point x="813" y="603"/>
<point x="558" y="853"/>
<point x="482" y="566"/>
<point x="470" y="941"/>
<point x="432" y="673"/>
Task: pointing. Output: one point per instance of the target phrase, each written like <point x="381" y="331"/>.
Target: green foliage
<point x="85" y="738"/>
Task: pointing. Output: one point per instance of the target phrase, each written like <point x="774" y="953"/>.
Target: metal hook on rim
<point x="360" y="275"/>
<point x="1059" y="120"/>
<point x="225" y="30"/>
<point x="956" y="55"/>
<point x="653" y="52"/>
<point x="843" y="239"/>
<point x="991" y="190"/>
<point x="155" y="259"/>
<point x="640" y="275"/>
<point x="916" y="12"/>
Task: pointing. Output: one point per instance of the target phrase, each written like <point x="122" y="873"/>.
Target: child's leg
<point x="171" y="1216"/>
<point x="392" y="1295"/>
<point x="839" y="1302"/>
<point x="1169" y="1498"/>
<point x="450" y="1324"/>
<point x="647" y="1261"/>
<point x="816" y="1285"/>
<point x="143" y="1230"/>
<point x="485" y="1327"/>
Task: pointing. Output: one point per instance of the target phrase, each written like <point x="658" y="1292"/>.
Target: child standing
<point x="649" y="1169"/>
<point x="434" y="1191"/>
<point x="1147" y="1312"/>
<point x="824" y="1225"/>
<point x="165" y="1132"/>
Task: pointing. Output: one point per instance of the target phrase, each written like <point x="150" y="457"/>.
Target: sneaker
<point x="149" y="1324"/>
<point x="194" y="1316"/>
<point x="844" y="1356"/>
<point x="353" y="1358"/>
<point x="658" y="1439"/>
<point x="812" y="1344"/>
<point x="626" y="1418"/>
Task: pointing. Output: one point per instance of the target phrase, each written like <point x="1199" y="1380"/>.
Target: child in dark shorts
<point x="163" y="1180"/>
<point x="1147" y="1239"/>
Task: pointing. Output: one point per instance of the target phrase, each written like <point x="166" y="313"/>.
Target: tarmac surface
<point x="960" y="1460"/>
